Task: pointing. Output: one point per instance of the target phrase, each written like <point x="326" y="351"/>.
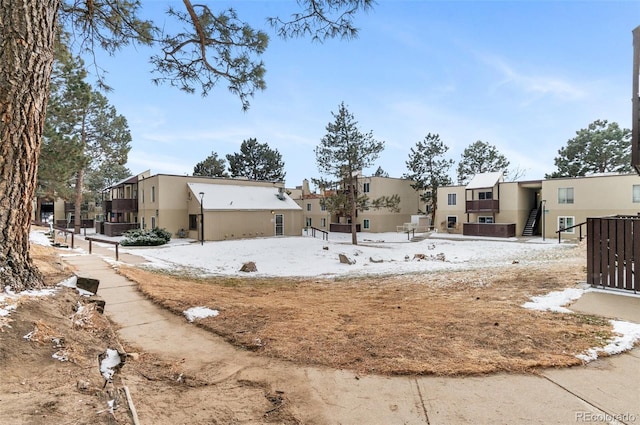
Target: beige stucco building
<point x="486" y="206"/>
<point x="538" y="207"/>
<point x="370" y="220"/>
<point x="193" y="206"/>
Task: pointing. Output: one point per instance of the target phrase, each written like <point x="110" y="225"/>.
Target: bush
<point x="139" y="237"/>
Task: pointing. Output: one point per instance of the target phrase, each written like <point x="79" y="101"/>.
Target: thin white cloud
<point x="534" y="86"/>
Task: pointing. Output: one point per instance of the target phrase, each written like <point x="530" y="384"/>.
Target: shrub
<point x="140" y="237"/>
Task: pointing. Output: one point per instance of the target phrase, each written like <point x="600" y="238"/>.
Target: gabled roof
<point x="229" y="197"/>
<point x="485" y="180"/>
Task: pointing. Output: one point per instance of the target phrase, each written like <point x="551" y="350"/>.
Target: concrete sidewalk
<point x="604" y="391"/>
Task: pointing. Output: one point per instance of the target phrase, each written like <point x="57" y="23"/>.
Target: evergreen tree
<point x="213" y="48"/>
<point x="212" y="166"/>
<point x="256" y="161"/>
<point x="480" y="157"/>
<point x="380" y="173"/>
<point x="343" y="153"/>
<point x="599" y="148"/>
<point x="429" y="170"/>
<point x="82" y="121"/>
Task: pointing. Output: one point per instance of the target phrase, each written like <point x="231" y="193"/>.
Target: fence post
<point x="72" y="241"/>
<point x="89" y="246"/>
<point x="117" y="251"/>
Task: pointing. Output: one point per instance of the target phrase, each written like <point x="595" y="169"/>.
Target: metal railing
<point x="314" y="230"/>
<point x="579" y="225"/>
<point x="116" y="243"/>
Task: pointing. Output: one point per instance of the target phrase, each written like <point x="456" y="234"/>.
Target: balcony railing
<point x="124" y="205"/>
<point x="483" y="205"/>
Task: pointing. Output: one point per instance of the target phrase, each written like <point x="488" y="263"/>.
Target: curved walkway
<point x="601" y="392"/>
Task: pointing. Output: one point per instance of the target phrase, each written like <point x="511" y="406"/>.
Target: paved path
<point x="600" y="392"/>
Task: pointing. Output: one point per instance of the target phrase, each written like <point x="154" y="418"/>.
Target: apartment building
<point x="369" y="220"/>
<point x="201" y="207"/>
<point x="488" y="206"/>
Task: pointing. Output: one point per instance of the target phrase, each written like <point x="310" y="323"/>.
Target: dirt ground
<point x="454" y="323"/>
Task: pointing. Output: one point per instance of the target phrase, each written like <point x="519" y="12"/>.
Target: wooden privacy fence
<point x="613" y="251"/>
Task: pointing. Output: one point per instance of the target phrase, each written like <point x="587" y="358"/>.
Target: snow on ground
<point x="306" y="256"/>
<point x="554" y="301"/>
<point x="313" y="257"/>
<point x="194" y="313"/>
<point x="628" y="333"/>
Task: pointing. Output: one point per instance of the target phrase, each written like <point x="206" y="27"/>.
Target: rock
<point x="346" y="260"/>
<point x="375" y="259"/>
<point x="249" y="267"/>
<point x="88" y="284"/>
<point x="99" y="302"/>
<point x="326" y="248"/>
<point x="419" y="256"/>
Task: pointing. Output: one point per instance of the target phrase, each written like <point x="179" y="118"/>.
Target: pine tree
<point x="599" y="148"/>
<point x="81" y="121"/>
<point x="343" y="153"/>
<point x="429" y="170"/>
<point x="256" y="161"/>
<point x="480" y="157"/>
<point x="212" y="166"/>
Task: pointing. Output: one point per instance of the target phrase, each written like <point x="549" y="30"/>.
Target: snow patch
<point x="554" y="301"/>
<point x="199" y="313"/>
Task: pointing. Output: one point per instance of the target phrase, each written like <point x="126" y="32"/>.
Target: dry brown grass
<point x="48" y="261"/>
<point x="445" y="323"/>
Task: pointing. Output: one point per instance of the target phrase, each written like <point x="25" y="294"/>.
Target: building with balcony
<point x="489" y="206"/>
<point x="200" y="207"/>
<point x="369" y="219"/>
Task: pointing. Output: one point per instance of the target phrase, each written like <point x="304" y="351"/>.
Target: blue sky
<point x="521" y="75"/>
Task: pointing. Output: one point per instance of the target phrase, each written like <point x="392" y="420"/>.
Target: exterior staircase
<point x="531" y="222"/>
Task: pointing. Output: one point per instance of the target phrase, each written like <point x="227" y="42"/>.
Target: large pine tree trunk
<point x="27" y="31"/>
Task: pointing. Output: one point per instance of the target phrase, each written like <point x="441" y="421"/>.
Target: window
<point x="565" y="195"/>
<point x="153" y="222"/>
<point x="636" y="193"/>
<point x="564" y="222"/>
<point x="193" y="221"/>
<point x="452" y="221"/>
<point x="451" y="199"/>
<point x="153" y="194"/>
<point x="143" y="196"/>
<point x="308" y="206"/>
<point x="323" y="207"/>
<point x="485" y="220"/>
<point x="365" y="223"/>
<point x="144" y="225"/>
<point x="485" y="195"/>
<point x="323" y="222"/>
<point x="366" y="187"/>
<point x="308" y="222"/>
